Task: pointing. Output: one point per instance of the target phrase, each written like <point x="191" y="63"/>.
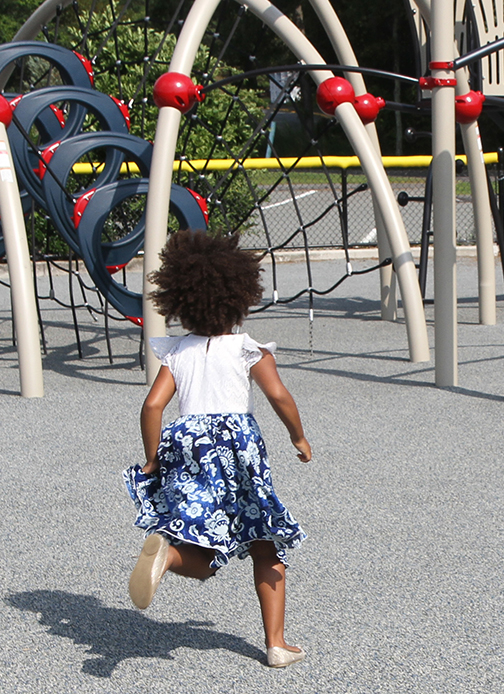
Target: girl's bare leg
<point x="190" y="560"/>
<point x="157" y="557"/>
<point x="269" y="579"/>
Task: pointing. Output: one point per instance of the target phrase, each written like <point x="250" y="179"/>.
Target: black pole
<point x="496" y="213"/>
<point x="426" y="233"/>
<point x="344" y="206"/>
<point x="500" y="179"/>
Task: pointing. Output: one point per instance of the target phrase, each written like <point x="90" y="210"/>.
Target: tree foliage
<point x="13" y="13"/>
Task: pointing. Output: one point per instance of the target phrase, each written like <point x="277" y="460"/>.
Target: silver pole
<point x="20" y="275"/>
<point x="480" y="196"/>
<point x="443" y="171"/>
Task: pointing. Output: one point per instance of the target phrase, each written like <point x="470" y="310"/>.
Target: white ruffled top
<point x="212" y="374"/>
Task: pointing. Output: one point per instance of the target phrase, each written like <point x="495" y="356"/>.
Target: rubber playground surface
<point x="399" y="586"/>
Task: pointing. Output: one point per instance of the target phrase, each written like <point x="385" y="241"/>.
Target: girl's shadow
<point x="116" y="634"/>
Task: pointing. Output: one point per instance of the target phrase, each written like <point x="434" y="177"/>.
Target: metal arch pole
<point x="482" y="222"/>
<point x="163" y="155"/>
<point x="403" y="259"/>
<point x="481" y="200"/>
<point x="443" y="172"/>
<point x="39" y="18"/>
<point x="343" y="48"/>
<point x="482" y="211"/>
<point x="156" y="224"/>
<point x="373" y="168"/>
<point x="290" y="35"/>
<point x="20" y="276"/>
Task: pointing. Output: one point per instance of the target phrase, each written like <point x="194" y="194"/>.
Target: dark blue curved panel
<point x="96" y="255"/>
<point x="47" y="123"/>
<point x="118" y="147"/>
<point x="31" y="105"/>
<point x="69" y="66"/>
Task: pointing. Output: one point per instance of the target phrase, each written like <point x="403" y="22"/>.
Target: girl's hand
<point x="304" y="449"/>
<point x="151" y="468"/>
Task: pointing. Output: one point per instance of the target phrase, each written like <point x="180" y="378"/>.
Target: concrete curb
<point x="284" y="256"/>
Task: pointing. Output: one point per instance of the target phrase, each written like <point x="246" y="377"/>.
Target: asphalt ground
<point x="399" y="586"/>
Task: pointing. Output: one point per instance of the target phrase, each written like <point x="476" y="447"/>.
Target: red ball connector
<point x="5" y="111"/>
<point x="177" y="90"/>
<point x="333" y="92"/>
<point x="337" y="90"/>
<point x="468" y="107"/>
<point x="368" y="107"/>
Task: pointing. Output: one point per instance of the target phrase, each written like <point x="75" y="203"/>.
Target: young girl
<point x="205" y="493"/>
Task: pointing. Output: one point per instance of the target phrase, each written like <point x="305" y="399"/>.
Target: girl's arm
<point x="162" y="391"/>
<point x="266" y="376"/>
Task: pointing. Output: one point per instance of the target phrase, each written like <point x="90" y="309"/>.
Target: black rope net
<point x="129" y="45"/>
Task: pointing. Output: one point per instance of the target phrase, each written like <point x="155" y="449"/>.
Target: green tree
<point x="13" y="13"/>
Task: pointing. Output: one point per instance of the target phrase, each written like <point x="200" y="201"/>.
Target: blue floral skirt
<point x="213" y="489"/>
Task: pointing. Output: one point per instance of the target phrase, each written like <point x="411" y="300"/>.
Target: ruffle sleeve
<point x="251" y="350"/>
<point x="164" y="347"/>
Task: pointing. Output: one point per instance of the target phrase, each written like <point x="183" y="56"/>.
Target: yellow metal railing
<point x="421" y="161"/>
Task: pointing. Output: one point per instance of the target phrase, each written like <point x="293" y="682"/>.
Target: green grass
<point x="264" y="177"/>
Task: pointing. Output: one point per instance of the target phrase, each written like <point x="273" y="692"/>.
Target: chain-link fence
<point x="325" y="208"/>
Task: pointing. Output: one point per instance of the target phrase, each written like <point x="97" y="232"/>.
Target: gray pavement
<point x="399" y="587"/>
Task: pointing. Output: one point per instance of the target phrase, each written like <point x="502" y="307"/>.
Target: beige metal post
<point x="158" y="198"/>
<point x="20" y="276"/>
<point x="482" y="220"/>
<point x="481" y="201"/>
<point x="443" y="171"/>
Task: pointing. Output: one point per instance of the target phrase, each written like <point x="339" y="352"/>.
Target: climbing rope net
<point x="127" y="46"/>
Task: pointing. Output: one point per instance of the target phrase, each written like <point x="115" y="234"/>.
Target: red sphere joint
<point x="176" y="90"/>
<point x="5" y="111"/>
<point x="333" y="92"/>
<point x="468" y="107"/>
<point x="368" y="107"/>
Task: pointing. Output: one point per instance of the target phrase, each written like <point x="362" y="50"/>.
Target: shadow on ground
<point x="114" y="634"/>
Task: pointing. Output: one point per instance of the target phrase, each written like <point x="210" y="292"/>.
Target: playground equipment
<point x="16" y="245"/>
<point x="443" y="106"/>
<point x="80" y="218"/>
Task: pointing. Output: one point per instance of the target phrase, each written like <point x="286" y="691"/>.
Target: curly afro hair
<point x="207" y="282"/>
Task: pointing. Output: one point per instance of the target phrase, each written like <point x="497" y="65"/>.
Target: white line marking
<point x="370" y="237"/>
<point x="286" y="202"/>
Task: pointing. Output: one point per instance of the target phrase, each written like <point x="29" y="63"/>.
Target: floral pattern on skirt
<point x="213" y="489"/>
